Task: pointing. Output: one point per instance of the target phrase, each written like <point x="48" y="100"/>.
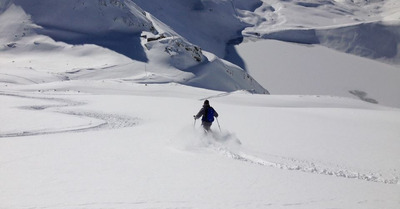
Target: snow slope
<point x="287" y="68"/>
<point x="210" y="24"/>
<point x="124" y="44"/>
<point x="369" y="29"/>
<point x="365" y="28"/>
<point x="118" y="145"/>
<point x="89" y="123"/>
<point x="154" y="44"/>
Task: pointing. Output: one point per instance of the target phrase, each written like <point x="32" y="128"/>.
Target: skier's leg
<point x="207" y="127"/>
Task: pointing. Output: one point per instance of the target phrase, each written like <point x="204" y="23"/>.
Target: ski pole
<point x="194" y="125"/>
<point x="218" y="125"/>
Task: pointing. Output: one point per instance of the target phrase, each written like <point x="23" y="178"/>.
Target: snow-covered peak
<point x="192" y="41"/>
<point x="93" y="17"/>
<point x="88" y="27"/>
<point x="365" y="28"/>
<point x="210" y="24"/>
<point x="289" y="14"/>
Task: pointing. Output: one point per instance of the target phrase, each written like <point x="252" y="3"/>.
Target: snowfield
<point x="98" y="97"/>
<point x="296" y="69"/>
<point x="119" y="145"/>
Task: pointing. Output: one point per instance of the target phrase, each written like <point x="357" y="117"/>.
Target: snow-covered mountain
<point x="196" y="42"/>
<point x="367" y="29"/>
<point x="364" y="28"/>
<point x="97" y="99"/>
<point x="143" y="48"/>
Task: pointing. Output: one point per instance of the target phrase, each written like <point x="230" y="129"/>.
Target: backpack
<point x="209" y="115"/>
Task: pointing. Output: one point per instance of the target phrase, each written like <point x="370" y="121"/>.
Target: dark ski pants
<point x="206" y="126"/>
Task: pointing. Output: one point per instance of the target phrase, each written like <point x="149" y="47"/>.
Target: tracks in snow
<point x="114" y="121"/>
<point x="291" y="164"/>
<point x="102" y="120"/>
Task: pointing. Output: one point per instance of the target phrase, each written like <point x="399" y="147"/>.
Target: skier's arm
<point x="215" y="114"/>
<point x="201" y="113"/>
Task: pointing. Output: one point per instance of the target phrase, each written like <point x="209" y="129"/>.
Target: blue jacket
<point x="202" y="113"/>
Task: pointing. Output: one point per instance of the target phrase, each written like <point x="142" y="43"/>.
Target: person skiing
<point x="207" y="113"/>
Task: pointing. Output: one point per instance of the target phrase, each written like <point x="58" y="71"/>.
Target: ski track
<point x="20" y="77"/>
<point x="292" y="164"/>
<point x="113" y="121"/>
<point x="110" y="121"/>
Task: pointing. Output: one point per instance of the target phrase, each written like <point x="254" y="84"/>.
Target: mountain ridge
<point x="125" y="29"/>
<point x="189" y="42"/>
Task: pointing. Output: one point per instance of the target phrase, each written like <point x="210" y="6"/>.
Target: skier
<point x="207" y="113"/>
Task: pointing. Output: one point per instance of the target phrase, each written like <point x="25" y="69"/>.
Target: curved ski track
<point x="292" y="164"/>
<point x="109" y="121"/>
